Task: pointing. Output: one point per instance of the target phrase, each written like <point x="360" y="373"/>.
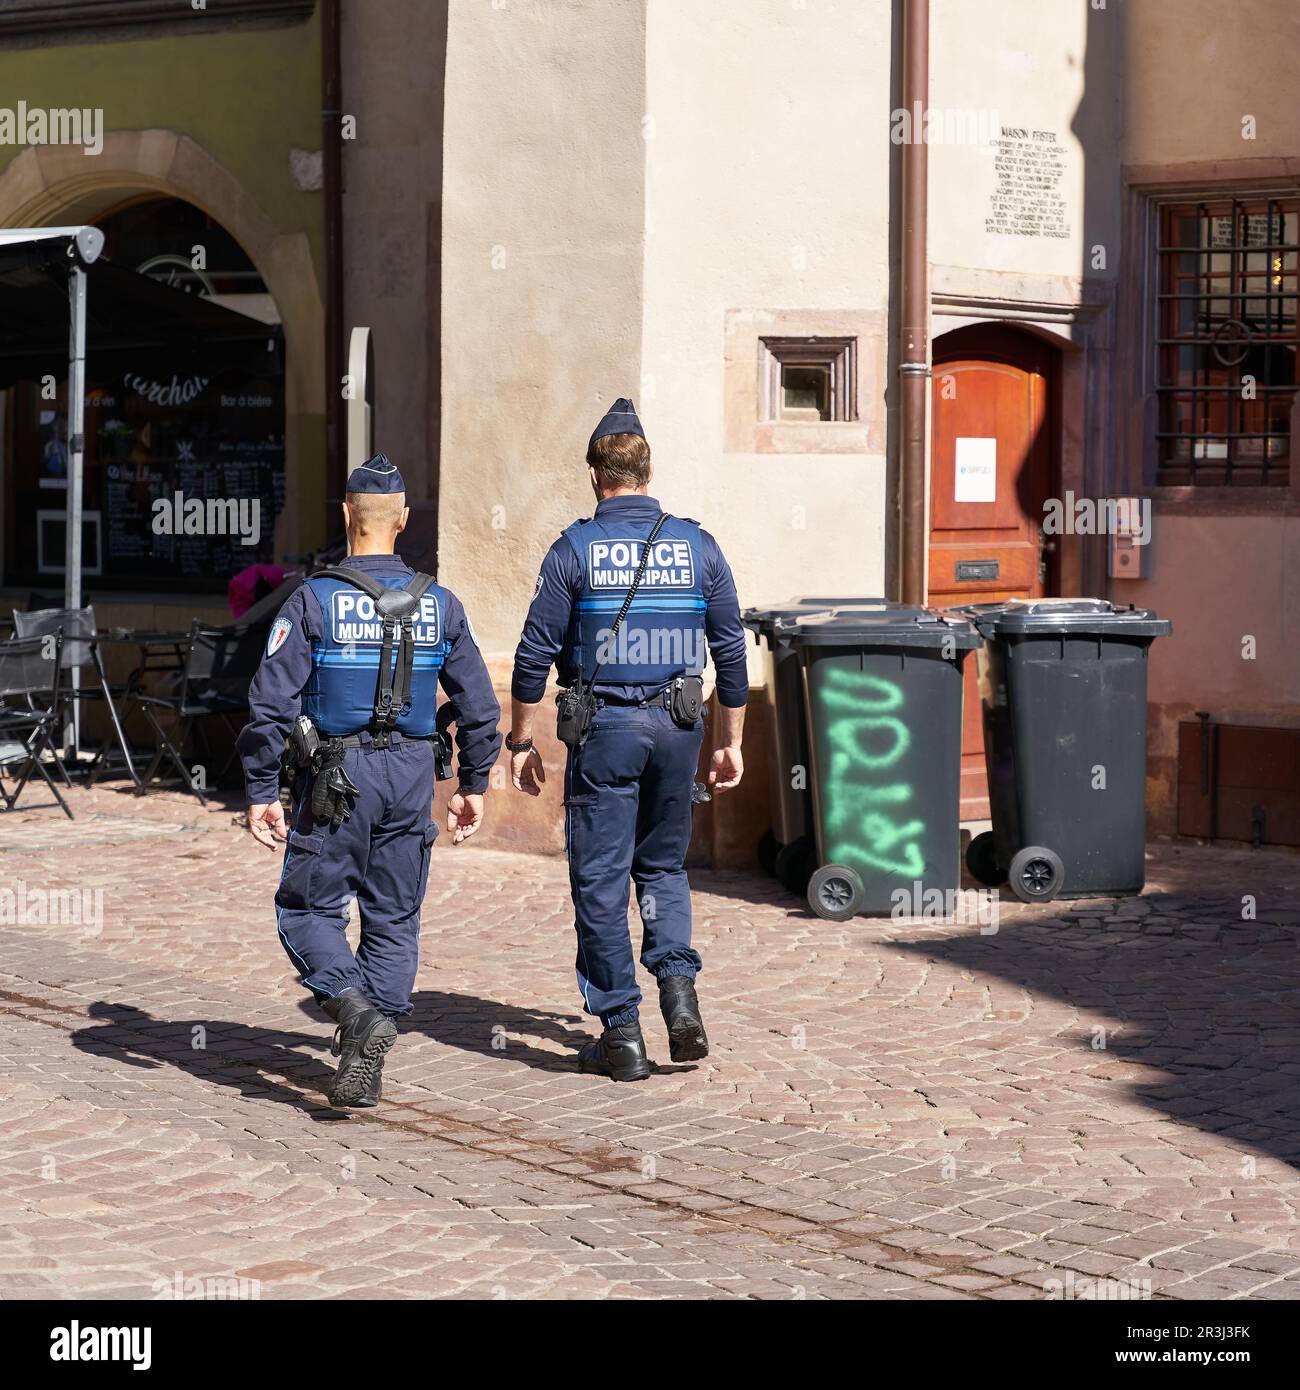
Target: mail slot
<point x="976" y="569"/>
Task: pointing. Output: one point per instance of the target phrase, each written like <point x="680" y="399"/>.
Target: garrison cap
<point x="620" y="418"/>
<point x="376" y="475"/>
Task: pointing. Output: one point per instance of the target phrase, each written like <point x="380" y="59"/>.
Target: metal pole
<point x="332" y="189"/>
<point x="76" y="458"/>
<point x="914" y="348"/>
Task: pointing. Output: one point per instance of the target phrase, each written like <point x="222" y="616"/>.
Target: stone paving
<point x="893" y="1109"/>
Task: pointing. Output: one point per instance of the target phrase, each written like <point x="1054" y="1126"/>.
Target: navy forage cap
<point x="620" y="418"/>
<point x="376" y="475"/>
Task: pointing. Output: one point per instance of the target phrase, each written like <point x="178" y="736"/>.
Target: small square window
<point x="807" y="380"/>
<point x="805" y="392"/>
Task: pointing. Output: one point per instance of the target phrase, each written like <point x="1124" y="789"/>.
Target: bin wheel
<point x="834" y="892"/>
<point x="795" y="864"/>
<point x="981" y="860"/>
<point x="1036" y="874"/>
<point x="768" y="849"/>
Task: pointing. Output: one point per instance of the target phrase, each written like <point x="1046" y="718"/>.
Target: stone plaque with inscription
<point x="1028" y="201"/>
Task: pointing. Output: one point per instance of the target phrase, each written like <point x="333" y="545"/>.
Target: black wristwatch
<point x="523" y="746"/>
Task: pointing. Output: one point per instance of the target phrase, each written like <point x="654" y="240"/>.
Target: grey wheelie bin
<point x="1063" y="684"/>
<point x="883" y="691"/>
<point x="787" y="849"/>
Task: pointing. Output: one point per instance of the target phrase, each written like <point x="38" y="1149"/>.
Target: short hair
<point x="376" y="513"/>
<point x="621" y="459"/>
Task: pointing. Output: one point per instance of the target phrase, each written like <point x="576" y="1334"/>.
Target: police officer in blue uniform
<point x="350" y="679"/>
<point x="625" y="605"/>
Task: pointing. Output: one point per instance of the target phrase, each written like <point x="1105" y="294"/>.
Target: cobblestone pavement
<point x="892" y="1109"/>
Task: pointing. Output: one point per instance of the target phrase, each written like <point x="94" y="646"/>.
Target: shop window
<point x="184" y="458"/>
<point x="1226" y="341"/>
<point x="807" y="380"/>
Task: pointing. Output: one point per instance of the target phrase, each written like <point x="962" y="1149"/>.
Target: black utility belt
<point x="308" y="748"/>
<point x="576" y="707"/>
<point x="660" y="697"/>
<point x="683" y="698"/>
<point x="372" y="740"/>
<point x="441" y="740"/>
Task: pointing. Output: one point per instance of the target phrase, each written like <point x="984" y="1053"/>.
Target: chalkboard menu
<point x="185" y="473"/>
<point x="189" y="487"/>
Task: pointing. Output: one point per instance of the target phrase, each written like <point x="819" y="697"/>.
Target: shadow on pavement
<point x="1182" y="985"/>
<point x="492" y="1029"/>
<point x="249" y="1059"/>
<point x="489" y="1028"/>
<point x="231" y="1054"/>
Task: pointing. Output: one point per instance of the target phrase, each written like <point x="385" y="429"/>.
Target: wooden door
<point x="992" y="467"/>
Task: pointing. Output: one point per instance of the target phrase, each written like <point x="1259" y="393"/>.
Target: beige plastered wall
<point x="767" y="213"/>
<point x="633" y="192"/>
<point x="1051" y="69"/>
<point x="542" y="251"/>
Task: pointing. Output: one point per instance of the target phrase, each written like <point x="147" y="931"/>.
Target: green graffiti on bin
<point x="864" y="806"/>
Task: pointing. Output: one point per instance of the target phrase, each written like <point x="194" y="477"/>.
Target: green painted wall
<point x="246" y="97"/>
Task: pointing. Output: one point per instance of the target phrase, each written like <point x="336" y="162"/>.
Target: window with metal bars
<point x="1226" y="341"/>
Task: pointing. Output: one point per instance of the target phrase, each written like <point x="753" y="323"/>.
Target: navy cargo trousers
<point x="380" y="856"/>
<point x="627" y="800"/>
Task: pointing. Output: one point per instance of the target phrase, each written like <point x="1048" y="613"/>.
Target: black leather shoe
<point x="362" y="1037"/>
<point x="687" y="1041"/>
<point x="618" y="1052"/>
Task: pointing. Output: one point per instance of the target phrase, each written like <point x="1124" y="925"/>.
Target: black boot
<point x="362" y="1037"/>
<point x="681" y="1010"/>
<point x="618" y="1052"/>
<point x="374" y="1092"/>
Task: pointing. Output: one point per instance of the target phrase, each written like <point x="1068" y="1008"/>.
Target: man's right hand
<point x="726" y="768"/>
<point x="527" y="772"/>
<point x="267" y="824"/>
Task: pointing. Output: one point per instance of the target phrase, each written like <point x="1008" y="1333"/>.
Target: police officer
<point x="631" y="711"/>
<point x="359" y="652"/>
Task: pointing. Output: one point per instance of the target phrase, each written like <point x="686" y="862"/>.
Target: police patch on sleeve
<point x="280" y="630"/>
<point x="537" y="588"/>
<point x="469" y="627"/>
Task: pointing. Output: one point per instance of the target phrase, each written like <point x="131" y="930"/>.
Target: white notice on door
<point x="976" y="475"/>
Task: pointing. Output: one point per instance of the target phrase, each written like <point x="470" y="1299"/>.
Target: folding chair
<point x="220" y="663"/>
<point x="31" y="672"/>
<point x="80" y="651"/>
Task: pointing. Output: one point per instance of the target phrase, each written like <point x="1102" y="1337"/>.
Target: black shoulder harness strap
<point x="394" y="607"/>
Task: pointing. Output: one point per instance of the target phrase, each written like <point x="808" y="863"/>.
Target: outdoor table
<point x="159" y="651"/>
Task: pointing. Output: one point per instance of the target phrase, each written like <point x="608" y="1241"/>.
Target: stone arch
<point x="59" y="185"/>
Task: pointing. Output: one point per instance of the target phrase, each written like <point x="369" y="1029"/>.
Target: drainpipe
<point x="914" y="340"/>
<point x="331" y="115"/>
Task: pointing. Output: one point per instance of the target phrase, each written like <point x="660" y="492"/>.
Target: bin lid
<point x="763" y="617"/>
<point x="879" y="624"/>
<point x="1050" y="616"/>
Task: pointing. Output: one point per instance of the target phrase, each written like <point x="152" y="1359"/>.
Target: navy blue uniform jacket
<point x="274" y="700"/>
<point x="560" y="583"/>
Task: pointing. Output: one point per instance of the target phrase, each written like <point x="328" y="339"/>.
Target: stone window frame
<point x="1146" y="188"/>
<point x="746" y="379"/>
<point x="1237" y="471"/>
<point x="837" y="355"/>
